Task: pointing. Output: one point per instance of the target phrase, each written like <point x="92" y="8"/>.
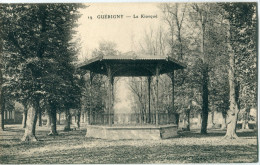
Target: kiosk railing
<point x="132" y="119"/>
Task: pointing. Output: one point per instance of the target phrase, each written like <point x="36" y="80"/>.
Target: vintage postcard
<point x="129" y="83"/>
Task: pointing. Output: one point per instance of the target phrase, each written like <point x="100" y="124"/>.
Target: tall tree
<point x="1" y="83"/>
<point x="183" y="42"/>
<point x="37" y="44"/>
<point x="202" y="14"/>
<point x="1" y="94"/>
<point x="241" y="41"/>
<point x="174" y="15"/>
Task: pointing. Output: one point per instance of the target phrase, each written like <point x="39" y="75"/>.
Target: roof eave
<point x="85" y="63"/>
<point x="182" y="65"/>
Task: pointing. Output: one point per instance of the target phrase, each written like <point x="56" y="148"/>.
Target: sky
<point x="124" y="30"/>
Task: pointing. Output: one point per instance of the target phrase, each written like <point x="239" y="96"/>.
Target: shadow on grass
<point x="78" y="135"/>
<point x="11" y="138"/>
<point x="13" y="129"/>
<point x="247" y="134"/>
<point x="159" y="153"/>
<point x="214" y="133"/>
<point x="144" y="154"/>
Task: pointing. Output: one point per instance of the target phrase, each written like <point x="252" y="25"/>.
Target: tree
<point x="207" y="19"/>
<point x="1" y="98"/>
<point x="183" y="42"/>
<point x="139" y="86"/>
<point x="93" y="87"/>
<point x="106" y="48"/>
<point x="1" y="83"/>
<point x="37" y="47"/>
<point x="241" y="42"/>
<point x="40" y="117"/>
<point x="219" y="91"/>
<point x="25" y="111"/>
<point x="73" y="100"/>
<point x="153" y="43"/>
<point x="174" y="16"/>
<point x="202" y="12"/>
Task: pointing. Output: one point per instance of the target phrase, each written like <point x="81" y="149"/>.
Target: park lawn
<point x="74" y="147"/>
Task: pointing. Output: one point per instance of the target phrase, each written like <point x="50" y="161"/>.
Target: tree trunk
<point x="224" y="124"/>
<point x="231" y="125"/>
<point x="173" y="109"/>
<point x="2" y="101"/>
<point x="78" y="117"/>
<point x="48" y="123"/>
<point x="89" y="116"/>
<point x="2" y="120"/>
<point x="233" y="111"/>
<point x="40" y="117"/>
<point x="29" y="134"/>
<point x="53" y="130"/>
<point x="188" y="119"/>
<point x="149" y="99"/>
<point x="177" y="119"/>
<point x="245" y="120"/>
<point x="2" y="106"/>
<point x="24" y="116"/>
<point x="58" y="122"/>
<point x="68" y="119"/>
<point x="205" y="100"/>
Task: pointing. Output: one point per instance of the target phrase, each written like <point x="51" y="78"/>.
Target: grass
<point x="73" y="147"/>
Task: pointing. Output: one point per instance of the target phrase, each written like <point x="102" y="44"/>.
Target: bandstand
<point x="132" y="66"/>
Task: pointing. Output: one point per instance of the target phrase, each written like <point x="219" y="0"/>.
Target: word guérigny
<point x="106" y="16"/>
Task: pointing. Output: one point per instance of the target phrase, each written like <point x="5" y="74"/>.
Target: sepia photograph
<point x="129" y="82"/>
